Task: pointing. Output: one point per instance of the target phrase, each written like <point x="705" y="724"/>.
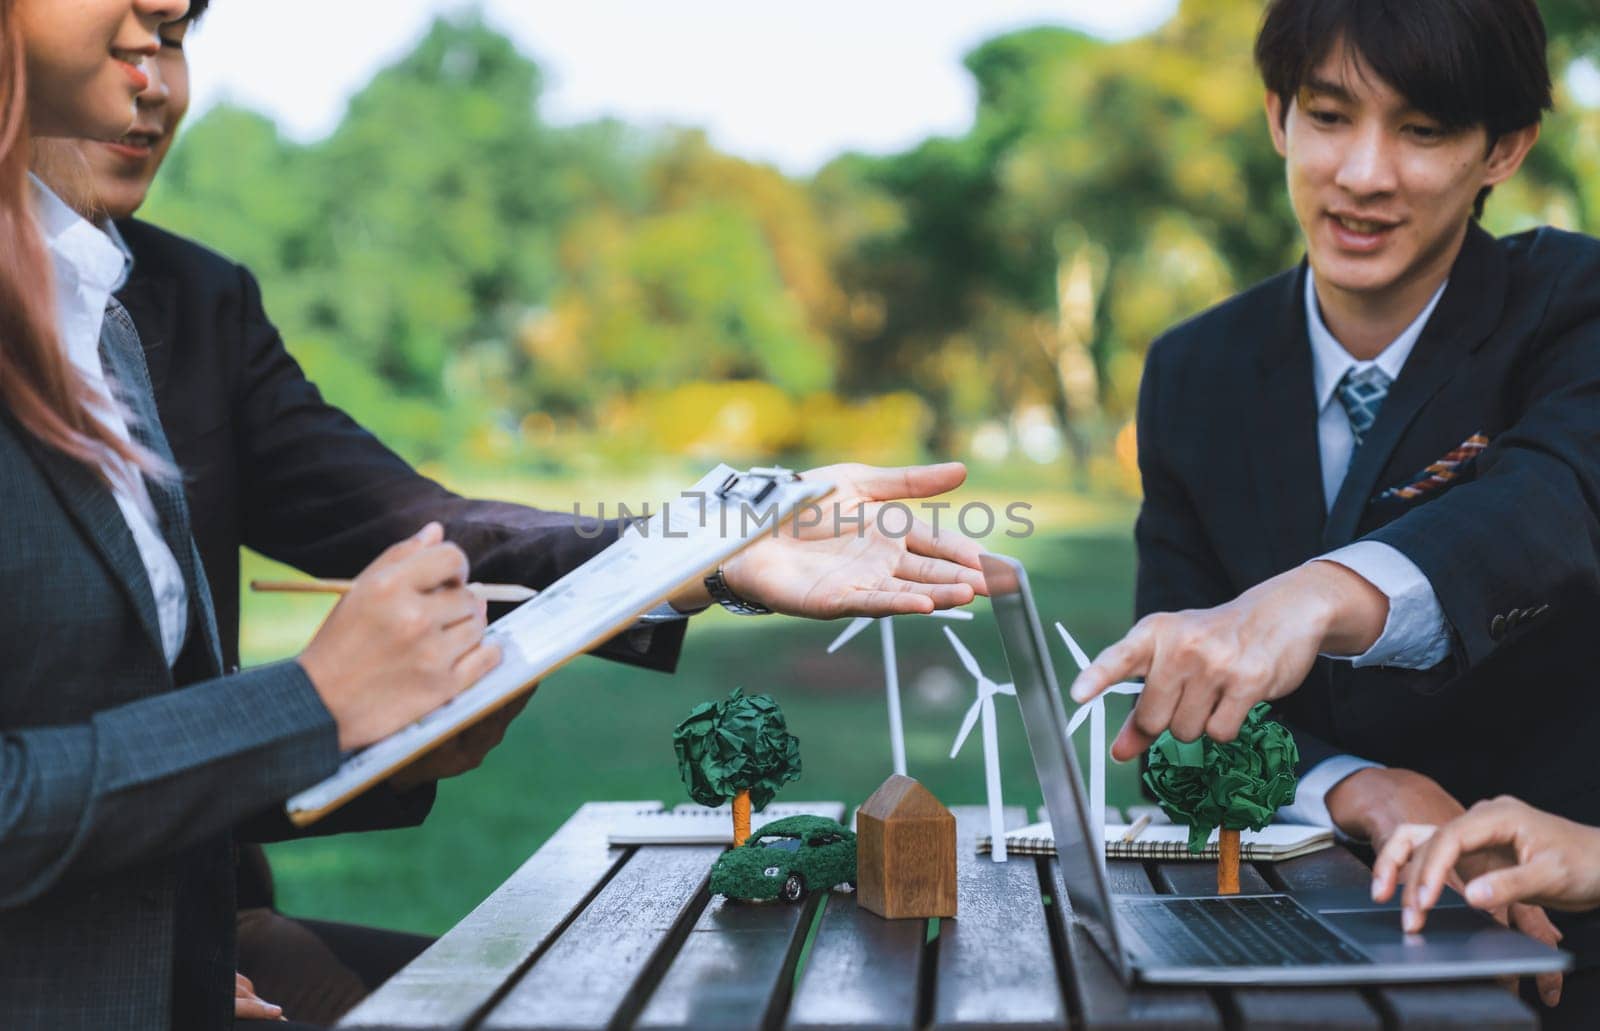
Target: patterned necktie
<point x="1362" y="394"/>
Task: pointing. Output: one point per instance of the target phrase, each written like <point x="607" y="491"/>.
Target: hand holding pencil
<point x="513" y="593"/>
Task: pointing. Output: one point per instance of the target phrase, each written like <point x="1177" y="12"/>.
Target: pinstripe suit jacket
<point x="120" y="777"/>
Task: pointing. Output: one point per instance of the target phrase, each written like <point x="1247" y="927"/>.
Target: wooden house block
<point x="905" y="852"/>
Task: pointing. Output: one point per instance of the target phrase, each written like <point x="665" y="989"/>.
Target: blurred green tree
<point x="470" y="279"/>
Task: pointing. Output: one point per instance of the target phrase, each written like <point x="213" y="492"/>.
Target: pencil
<point x="488" y="592"/>
<point x="1132" y="833"/>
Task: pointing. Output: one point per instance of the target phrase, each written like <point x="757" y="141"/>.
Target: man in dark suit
<point x="269" y="464"/>
<point x="1371" y="483"/>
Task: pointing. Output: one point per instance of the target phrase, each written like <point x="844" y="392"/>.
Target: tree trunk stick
<point x="741" y="826"/>
<point x="1228" y="862"/>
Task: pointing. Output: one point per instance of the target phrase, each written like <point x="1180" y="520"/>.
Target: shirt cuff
<point x="1310" y="804"/>
<point x="1416" y="635"/>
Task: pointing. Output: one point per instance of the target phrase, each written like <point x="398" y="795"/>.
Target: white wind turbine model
<point x="1096" y="712"/>
<point x="891" y="673"/>
<point x="984" y="707"/>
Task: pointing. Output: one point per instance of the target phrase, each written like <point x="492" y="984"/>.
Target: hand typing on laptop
<point x="1323" y="936"/>
<point x="1509" y="854"/>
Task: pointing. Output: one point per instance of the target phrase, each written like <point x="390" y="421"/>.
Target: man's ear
<point x="1276" y="117"/>
<point x="1508" y="153"/>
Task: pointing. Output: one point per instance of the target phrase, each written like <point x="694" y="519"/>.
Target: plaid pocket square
<point x="1440" y="472"/>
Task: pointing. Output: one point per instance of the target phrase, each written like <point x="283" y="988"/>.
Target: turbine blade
<point x="965" y="656"/>
<point x="962" y="614"/>
<point x="1079" y="716"/>
<point x="966" y="727"/>
<point x="856" y="626"/>
<point x="1078" y="654"/>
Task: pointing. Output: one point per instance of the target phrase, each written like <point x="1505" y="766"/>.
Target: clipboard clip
<point x="756" y="485"/>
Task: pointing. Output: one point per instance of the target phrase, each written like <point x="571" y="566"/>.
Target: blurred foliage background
<point x="484" y="287"/>
<point x="558" y="307"/>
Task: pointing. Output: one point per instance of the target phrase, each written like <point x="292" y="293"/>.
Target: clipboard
<point x="710" y="522"/>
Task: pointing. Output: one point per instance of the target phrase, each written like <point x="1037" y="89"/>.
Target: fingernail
<point x="1080" y="692"/>
<point x="1479" y="894"/>
<point x="1410" y="920"/>
<point x="1377" y="888"/>
<point x="1552" y="998"/>
<point x="423" y="533"/>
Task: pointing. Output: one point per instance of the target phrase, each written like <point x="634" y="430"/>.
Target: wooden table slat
<point x="1335" y="1009"/>
<point x="1474" y="1004"/>
<point x="735" y="970"/>
<point x="599" y="967"/>
<point x="736" y="967"/>
<point x="457" y="976"/>
<point x="863" y="972"/>
<point x="1101" y="999"/>
<point x="995" y="965"/>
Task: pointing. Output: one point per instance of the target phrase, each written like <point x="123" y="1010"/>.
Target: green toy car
<point x="786" y="859"/>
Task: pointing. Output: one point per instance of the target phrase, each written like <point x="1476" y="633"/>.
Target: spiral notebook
<point x="1277" y="842"/>
<point x="700" y="825"/>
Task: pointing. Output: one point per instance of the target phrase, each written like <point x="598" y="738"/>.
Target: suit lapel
<point x="90" y="504"/>
<point x="123" y="358"/>
<point x="1284" y="448"/>
<point x="152" y="301"/>
<point x="1468" y="311"/>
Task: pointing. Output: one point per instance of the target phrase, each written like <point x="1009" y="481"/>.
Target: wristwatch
<point x="722" y="594"/>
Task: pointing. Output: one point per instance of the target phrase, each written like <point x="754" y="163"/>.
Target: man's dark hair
<point x="1465" y="63"/>
<point x="196" y="9"/>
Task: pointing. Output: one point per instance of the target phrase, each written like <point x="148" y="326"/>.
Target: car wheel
<point x="794" y="889"/>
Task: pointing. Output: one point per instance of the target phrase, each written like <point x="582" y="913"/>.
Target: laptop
<point x="1329" y="936"/>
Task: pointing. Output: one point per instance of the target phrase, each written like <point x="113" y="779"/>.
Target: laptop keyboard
<point x="1243" y="931"/>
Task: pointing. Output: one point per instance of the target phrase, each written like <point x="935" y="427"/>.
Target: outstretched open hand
<point x="856" y="553"/>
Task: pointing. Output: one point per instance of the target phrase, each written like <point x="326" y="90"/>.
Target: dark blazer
<point x="1233" y="495"/>
<point x="268" y="464"/>
<point x="120" y="777"/>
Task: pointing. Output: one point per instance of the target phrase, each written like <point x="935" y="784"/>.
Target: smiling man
<point x="1371" y="482"/>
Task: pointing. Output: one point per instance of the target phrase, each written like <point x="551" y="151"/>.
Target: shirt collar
<point x="115" y="235"/>
<point x="1330" y="361"/>
<point x="80" y="252"/>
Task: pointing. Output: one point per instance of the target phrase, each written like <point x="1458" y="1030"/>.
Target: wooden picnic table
<point x="584" y="936"/>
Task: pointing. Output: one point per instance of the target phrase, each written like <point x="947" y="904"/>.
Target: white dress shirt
<point x="87" y="267"/>
<point x="1416" y="635"/>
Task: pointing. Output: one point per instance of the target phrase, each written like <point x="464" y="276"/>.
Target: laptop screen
<point x="1079" y="852"/>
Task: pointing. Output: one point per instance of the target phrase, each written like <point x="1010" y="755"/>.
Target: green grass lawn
<point x="599" y="730"/>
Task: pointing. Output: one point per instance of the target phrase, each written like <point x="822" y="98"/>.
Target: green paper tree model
<point x="738" y="748"/>
<point x="1234" y="786"/>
